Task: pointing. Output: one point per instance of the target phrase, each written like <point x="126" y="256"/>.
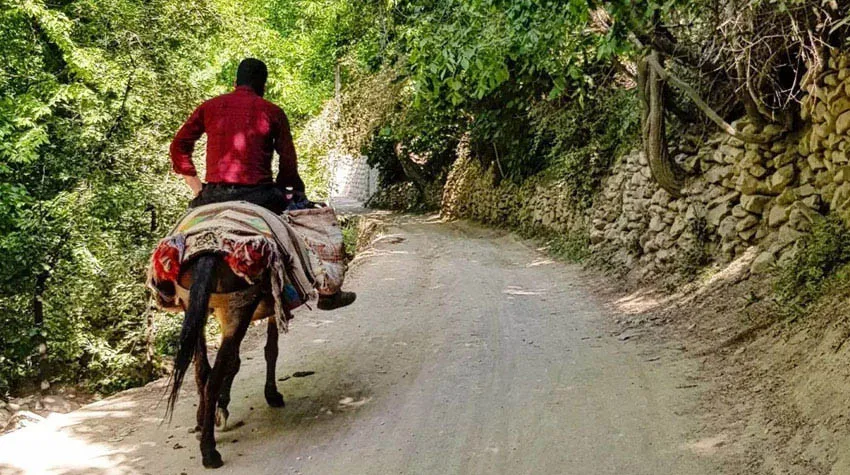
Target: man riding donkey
<point x="248" y="248"/>
<point x="243" y="131"/>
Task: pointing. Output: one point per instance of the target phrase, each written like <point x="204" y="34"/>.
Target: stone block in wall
<point x="785" y="158"/>
<point x="648" y="243"/>
<point x="725" y="201"/>
<point x="748" y="184"/>
<point x="805" y="190"/>
<point x="833" y="95"/>
<point x="777" y="147"/>
<point x="840" y="104"/>
<point x="718" y="173"/>
<point x="781" y="179"/>
<point x="842" y="123"/>
<point x="831" y="143"/>
<point x="830" y="167"/>
<point x="812" y="202"/>
<point x="841" y="198"/>
<point x="665" y="241"/>
<point x="802" y="217"/>
<point x="748" y="235"/>
<point x="678" y="227"/>
<point x="806" y="174"/>
<point x="692" y="164"/>
<point x="823" y="129"/>
<point x="748" y="222"/>
<point x="819" y="109"/>
<point x="786" y="236"/>
<point x="694" y="187"/>
<point x="815" y="144"/>
<point x="803" y="145"/>
<point x="739" y="212"/>
<point x="661" y="197"/>
<point x="717" y="157"/>
<point x="763" y="263"/>
<point x="727" y="230"/>
<point x="824" y="178"/>
<point x="754" y="203"/>
<point x="750" y="158"/>
<point x="819" y="93"/>
<point x="596" y="237"/>
<point x="773" y="130"/>
<point x="757" y="171"/>
<point x="841" y="175"/>
<point x="827" y="192"/>
<point x="831" y="79"/>
<point x="778" y="215"/>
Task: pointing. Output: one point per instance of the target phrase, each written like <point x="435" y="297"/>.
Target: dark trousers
<point x="267" y="195"/>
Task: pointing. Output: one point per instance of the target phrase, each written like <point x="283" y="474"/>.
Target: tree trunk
<point x="413" y="171"/>
<point x="38" y="322"/>
<point x="664" y="170"/>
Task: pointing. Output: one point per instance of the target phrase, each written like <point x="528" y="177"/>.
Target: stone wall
<point x="406" y="196"/>
<point x="536" y="205"/>
<point x="351" y="177"/>
<point x="741" y="196"/>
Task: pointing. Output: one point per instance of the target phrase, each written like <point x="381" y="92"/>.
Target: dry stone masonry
<point x="763" y="196"/>
<point x="351" y="177"/>
<point x="536" y="205"/>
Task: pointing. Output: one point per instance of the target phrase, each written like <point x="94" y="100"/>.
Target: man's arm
<point x="194" y="183"/>
<point x="182" y="147"/>
<point x="288" y="172"/>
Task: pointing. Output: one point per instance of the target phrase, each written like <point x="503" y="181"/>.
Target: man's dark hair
<point x="252" y="72"/>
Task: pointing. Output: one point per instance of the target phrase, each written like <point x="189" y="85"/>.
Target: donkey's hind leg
<point x="273" y="397"/>
<point x="221" y="413"/>
<point x="234" y="325"/>
<point x="202" y="373"/>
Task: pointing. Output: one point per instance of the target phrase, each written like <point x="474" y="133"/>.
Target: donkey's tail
<point x="194" y="321"/>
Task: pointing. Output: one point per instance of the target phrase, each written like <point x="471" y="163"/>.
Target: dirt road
<point x="467" y="352"/>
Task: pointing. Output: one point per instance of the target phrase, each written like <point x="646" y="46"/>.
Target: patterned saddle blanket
<point x="301" y="250"/>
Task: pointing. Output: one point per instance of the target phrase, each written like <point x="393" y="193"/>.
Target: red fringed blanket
<point x="251" y="239"/>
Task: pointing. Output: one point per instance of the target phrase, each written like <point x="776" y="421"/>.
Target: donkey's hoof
<point x="212" y="459"/>
<point x="221" y="415"/>
<point x="275" y="399"/>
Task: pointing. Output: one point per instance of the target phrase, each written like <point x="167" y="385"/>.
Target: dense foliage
<point x="818" y="266"/>
<point x="90" y="94"/>
<point x="538" y="84"/>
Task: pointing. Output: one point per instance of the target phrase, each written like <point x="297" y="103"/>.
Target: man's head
<point x="252" y="72"/>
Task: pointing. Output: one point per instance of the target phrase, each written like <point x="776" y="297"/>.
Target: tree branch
<point x="701" y="104"/>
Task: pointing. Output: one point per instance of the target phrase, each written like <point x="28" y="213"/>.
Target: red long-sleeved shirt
<point x="243" y="132"/>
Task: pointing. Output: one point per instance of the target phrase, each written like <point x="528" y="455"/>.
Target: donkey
<point x="237" y="303"/>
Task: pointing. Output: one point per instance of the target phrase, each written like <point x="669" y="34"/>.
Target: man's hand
<point x="194" y="184"/>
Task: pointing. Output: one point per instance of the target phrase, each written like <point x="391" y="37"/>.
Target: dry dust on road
<point x="467" y="352"/>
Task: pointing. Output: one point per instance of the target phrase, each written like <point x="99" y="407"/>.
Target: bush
<point x="819" y="264"/>
<point x="696" y="255"/>
<point x="580" y="142"/>
<point x="570" y="247"/>
<point x="167" y="333"/>
<point x="350" y="230"/>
